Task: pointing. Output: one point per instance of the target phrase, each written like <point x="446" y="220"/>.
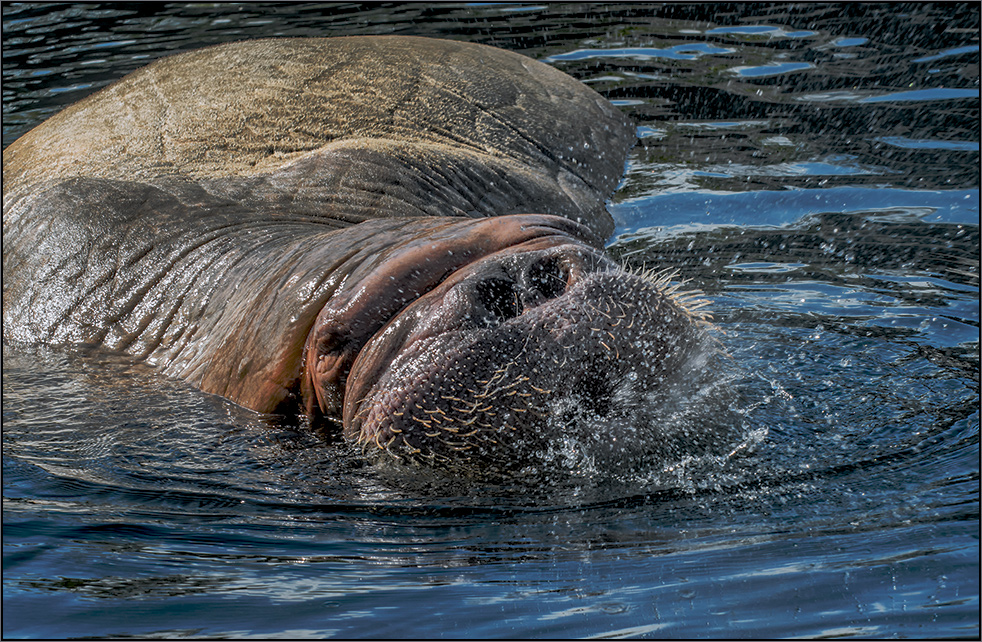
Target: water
<point x="814" y="169"/>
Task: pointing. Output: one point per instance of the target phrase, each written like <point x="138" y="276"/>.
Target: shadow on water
<point x="813" y="168"/>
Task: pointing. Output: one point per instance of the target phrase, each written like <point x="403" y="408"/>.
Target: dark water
<point x="813" y="168"/>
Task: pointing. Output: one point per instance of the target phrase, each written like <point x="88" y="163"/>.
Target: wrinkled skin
<point x="402" y="235"/>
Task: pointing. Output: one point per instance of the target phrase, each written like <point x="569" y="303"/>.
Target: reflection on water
<point x="813" y="168"/>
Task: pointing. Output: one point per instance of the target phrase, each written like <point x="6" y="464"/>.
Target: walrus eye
<point x="500" y="300"/>
<point x="548" y="277"/>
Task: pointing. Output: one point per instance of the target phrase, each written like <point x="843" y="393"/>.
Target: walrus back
<point x="347" y="128"/>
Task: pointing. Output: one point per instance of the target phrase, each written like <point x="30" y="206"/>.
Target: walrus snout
<point x="517" y="347"/>
<point x="410" y="267"/>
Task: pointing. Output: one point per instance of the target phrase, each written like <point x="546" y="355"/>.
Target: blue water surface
<point x="831" y="218"/>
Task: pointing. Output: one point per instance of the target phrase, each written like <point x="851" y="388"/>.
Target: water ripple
<point x="688" y="51"/>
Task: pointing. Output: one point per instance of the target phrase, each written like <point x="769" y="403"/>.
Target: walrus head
<point x="536" y="334"/>
<point x="342" y="223"/>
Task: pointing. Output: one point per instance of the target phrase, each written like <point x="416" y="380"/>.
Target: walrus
<point x="399" y="236"/>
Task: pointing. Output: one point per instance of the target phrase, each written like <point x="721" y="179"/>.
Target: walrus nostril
<point x="500" y="301"/>
<point x="549" y="277"/>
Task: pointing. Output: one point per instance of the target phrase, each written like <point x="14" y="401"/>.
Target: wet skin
<point x="427" y="271"/>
